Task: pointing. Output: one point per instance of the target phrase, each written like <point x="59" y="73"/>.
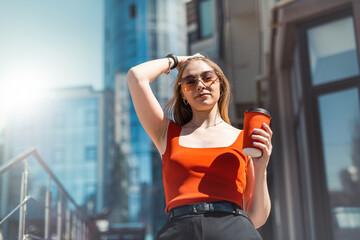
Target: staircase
<point x="47" y="212"/>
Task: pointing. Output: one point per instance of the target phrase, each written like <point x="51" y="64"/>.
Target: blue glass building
<point x="68" y="129"/>
<point x="137" y="31"/>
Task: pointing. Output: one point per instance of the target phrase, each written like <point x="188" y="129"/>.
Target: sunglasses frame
<point x="200" y="78"/>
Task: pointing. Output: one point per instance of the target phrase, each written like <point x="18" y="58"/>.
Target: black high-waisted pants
<point x="209" y="226"/>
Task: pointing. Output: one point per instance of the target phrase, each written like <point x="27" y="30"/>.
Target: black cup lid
<point x="260" y="110"/>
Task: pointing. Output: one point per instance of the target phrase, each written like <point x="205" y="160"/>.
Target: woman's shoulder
<point x="234" y="132"/>
<point x="172" y="128"/>
<point x="232" y="128"/>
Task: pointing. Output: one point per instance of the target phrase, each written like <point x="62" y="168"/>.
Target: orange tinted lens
<point x="208" y="76"/>
<point x="188" y="82"/>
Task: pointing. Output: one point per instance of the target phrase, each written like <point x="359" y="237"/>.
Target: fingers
<point x="182" y="59"/>
<point x="197" y="55"/>
<point x="266" y="132"/>
<point x="262" y="139"/>
<point x="268" y="129"/>
<point x="266" y="148"/>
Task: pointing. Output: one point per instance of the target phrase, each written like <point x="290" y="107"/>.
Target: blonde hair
<point x="180" y="112"/>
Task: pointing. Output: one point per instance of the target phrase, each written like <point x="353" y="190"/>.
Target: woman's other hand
<point x="262" y="139"/>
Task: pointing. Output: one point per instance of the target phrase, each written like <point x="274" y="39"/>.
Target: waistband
<point x="203" y="207"/>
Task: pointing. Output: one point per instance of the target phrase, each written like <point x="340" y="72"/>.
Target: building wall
<point x="313" y="86"/>
<point x="234" y="44"/>
<point x="268" y="55"/>
<point x="242" y="46"/>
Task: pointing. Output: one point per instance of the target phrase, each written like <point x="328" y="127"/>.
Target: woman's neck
<point x="206" y="120"/>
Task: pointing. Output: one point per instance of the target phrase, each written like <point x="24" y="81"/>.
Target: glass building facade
<point x="137" y="31"/>
<point x="67" y="129"/>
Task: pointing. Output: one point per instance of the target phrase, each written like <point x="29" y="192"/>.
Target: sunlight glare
<point x="21" y="92"/>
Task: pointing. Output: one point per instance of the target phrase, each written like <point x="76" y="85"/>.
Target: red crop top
<point x="192" y="175"/>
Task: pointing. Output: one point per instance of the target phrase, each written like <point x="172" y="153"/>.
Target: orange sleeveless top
<point x="192" y="175"/>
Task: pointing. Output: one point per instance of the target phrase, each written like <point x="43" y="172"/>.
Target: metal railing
<point x="71" y="222"/>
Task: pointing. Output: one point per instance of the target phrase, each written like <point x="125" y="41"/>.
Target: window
<point x="132" y="11"/>
<point x="332" y="51"/>
<point x="339" y="120"/>
<point x="90" y="153"/>
<point x="206" y="18"/>
<point x="59" y="155"/>
<point x="339" y="111"/>
<point x="59" y="119"/>
<point x="331" y="92"/>
<point x="90" y="117"/>
<point x="200" y="19"/>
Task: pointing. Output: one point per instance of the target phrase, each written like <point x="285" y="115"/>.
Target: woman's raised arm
<point x="147" y="107"/>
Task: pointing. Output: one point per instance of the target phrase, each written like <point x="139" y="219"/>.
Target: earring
<point x="185" y="102"/>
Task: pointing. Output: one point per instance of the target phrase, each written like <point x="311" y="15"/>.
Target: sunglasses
<point x="207" y="78"/>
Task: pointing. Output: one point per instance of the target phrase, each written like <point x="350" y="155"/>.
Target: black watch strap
<point x="173" y="57"/>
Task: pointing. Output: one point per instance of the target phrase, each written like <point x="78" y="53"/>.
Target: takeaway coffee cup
<point x="253" y="118"/>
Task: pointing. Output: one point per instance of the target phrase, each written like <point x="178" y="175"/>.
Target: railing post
<point x="59" y="217"/>
<point x="83" y="230"/>
<point x="23" y="195"/>
<point x="4" y="191"/>
<point x="47" y="220"/>
<point x="86" y="228"/>
<point x="75" y="228"/>
<point x="68" y="225"/>
<point x="74" y="223"/>
<point x="78" y="226"/>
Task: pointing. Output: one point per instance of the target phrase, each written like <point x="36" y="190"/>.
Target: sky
<point x="51" y="44"/>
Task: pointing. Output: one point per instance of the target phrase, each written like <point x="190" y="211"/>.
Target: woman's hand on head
<point x="182" y="59"/>
<point x="197" y="55"/>
<point x="262" y="139"/>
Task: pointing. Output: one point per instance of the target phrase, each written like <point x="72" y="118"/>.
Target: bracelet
<point x="168" y="70"/>
<point x="173" y="57"/>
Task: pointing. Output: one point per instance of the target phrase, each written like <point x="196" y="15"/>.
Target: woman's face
<point x="200" y="86"/>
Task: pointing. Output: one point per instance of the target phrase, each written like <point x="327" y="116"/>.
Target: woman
<point x="212" y="190"/>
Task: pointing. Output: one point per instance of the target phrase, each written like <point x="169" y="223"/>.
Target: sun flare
<point x="20" y="92"/>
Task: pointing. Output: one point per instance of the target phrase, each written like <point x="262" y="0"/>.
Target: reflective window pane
<point x="206" y="19"/>
<point x="332" y="51"/>
<point x="340" y="130"/>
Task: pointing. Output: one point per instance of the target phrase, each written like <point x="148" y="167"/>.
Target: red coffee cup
<point x="253" y="118"/>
